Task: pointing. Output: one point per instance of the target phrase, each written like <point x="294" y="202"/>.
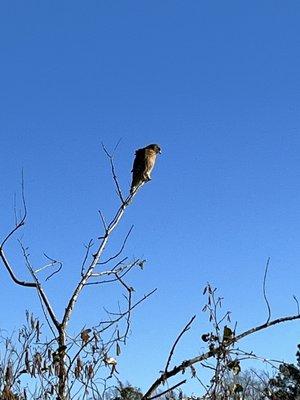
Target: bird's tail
<point x="136" y="187"/>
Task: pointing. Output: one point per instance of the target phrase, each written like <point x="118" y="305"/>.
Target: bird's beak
<point x="159" y="152"/>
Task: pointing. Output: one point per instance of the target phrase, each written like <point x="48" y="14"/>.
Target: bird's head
<point x="154" y="147"/>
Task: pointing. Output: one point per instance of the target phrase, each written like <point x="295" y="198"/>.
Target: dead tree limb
<point x="212" y="353"/>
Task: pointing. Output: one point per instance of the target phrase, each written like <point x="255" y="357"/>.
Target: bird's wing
<point x="139" y="167"/>
<point x="139" y="163"/>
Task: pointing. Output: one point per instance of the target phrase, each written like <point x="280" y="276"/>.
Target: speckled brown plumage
<point x="143" y="165"/>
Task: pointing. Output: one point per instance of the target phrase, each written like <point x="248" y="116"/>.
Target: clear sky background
<point x="217" y="85"/>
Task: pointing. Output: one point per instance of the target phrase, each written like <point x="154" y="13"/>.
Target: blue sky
<point x="217" y="85"/>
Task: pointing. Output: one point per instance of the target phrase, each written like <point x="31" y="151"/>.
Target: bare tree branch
<point x="120" y="269"/>
<point x="90" y="269"/>
<point x="55" y="272"/>
<point x="184" y="330"/>
<point x="11" y="272"/>
<point x="168" y="390"/>
<point x="212" y="353"/>
<point x="19" y="224"/>
<point x="100" y="329"/>
<point x="88" y="273"/>
<point x="58" y="373"/>
<point x="121" y="249"/>
<point x="40" y="290"/>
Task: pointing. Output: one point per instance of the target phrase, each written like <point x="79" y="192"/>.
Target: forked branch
<point x="212" y="353"/>
<point x="108" y="229"/>
<point x="35" y="284"/>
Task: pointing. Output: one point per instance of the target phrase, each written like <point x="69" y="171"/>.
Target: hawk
<point x="143" y="165"/>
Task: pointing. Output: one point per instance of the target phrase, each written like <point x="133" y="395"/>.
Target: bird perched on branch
<point x="143" y="165"/>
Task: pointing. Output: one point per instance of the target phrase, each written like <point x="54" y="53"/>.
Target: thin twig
<point x="125" y="313"/>
<point x="53" y="262"/>
<point x="297" y="302"/>
<point x="102" y="220"/>
<point x="15" y="209"/>
<point x="121" y="249"/>
<point x="168" y="390"/>
<point x="112" y="166"/>
<point x="264" y="290"/>
<point x="184" y="330"/>
<point x="55" y="272"/>
<point x="239" y="352"/>
<point x="88" y="247"/>
<point x="129" y="291"/>
<point x="116" y="146"/>
<point x="23" y="218"/>
<point x="123" y="270"/>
